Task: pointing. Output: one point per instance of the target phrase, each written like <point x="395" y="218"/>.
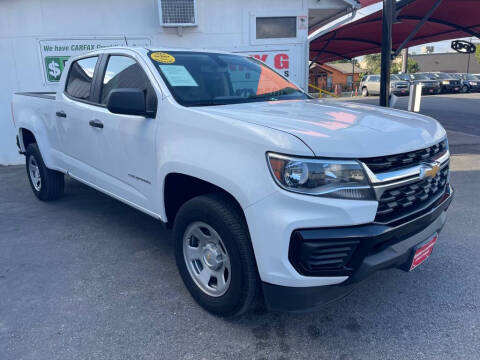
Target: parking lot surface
<point x="88" y="277"/>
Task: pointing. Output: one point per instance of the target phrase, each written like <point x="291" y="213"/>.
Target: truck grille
<point x="394" y="162"/>
<point x="321" y="255"/>
<point x="402" y="201"/>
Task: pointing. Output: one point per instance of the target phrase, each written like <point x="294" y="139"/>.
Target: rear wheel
<point x="46" y="184"/>
<point x="364" y="91"/>
<point x="214" y="255"/>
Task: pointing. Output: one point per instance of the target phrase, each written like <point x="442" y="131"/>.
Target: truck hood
<point x="339" y="129"/>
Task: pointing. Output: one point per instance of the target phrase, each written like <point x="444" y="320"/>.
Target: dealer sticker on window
<point x="162" y="57"/>
<point x="178" y="75"/>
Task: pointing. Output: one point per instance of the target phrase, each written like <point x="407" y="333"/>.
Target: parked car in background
<point x="370" y="85"/>
<point x="469" y="82"/>
<point x="399" y="85"/>
<point x="448" y="83"/>
<point x="429" y="86"/>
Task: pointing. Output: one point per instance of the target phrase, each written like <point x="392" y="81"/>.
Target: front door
<point x="128" y="146"/>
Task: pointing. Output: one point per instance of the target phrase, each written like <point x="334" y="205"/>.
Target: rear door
<point x="127" y="146"/>
<point x="375" y="84"/>
<point x="73" y="111"/>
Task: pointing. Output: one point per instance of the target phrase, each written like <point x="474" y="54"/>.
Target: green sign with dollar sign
<point x="54" y="66"/>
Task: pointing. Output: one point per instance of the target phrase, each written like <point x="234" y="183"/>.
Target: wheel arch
<point x="178" y="188"/>
<point x="26" y="137"/>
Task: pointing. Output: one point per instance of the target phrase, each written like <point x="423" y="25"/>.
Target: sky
<point x="439" y="46"/>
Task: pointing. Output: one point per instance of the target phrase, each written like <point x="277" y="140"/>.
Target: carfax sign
<point x="54" y="53"/>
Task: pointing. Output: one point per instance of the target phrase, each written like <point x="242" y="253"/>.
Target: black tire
<point x="52" y="183"/>
<point x="219" y="212"/>
<point x="464" y="89"/>
<point x="364" y="91"/>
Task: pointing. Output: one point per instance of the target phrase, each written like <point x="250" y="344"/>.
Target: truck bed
<point x="45" y="95"/>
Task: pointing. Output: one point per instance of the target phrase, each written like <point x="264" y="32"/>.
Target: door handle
<point x="61" y="114"/>
<point x="96" y="123"/>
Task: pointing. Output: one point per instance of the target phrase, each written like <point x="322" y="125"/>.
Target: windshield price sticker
<point x="178" y="75"/>
<point x="162" y="57"/>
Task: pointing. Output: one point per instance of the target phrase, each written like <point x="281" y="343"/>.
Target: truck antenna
<point x="126" y="42"/>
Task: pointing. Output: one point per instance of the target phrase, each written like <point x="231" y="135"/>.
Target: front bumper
<point x="430" y="89"/>
<point x="381" y="247"/>
<point x="451" y="88"/>
<point x="401" y="91"/>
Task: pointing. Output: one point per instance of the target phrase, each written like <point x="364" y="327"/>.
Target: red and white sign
<point x="423" y="252"/>
<point x="279" y="60"/>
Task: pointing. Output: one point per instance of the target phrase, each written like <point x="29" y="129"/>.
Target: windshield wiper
<point x="268" y="98"/>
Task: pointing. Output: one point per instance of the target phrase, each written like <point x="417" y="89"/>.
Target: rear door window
<point x="80" y="78"/>
<point x="123" y="72"/>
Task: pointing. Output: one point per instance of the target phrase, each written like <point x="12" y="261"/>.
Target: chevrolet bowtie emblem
<point x="429" y="170"/>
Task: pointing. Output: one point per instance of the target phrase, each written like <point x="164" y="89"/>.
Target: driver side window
<point x="123" y="72"/>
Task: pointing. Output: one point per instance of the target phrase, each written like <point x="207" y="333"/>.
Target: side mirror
<point x="128" y="102"/>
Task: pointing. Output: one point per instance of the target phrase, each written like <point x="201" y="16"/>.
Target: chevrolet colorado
<point x="270" y="194"/>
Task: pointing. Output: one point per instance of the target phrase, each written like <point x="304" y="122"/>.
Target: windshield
<point x="442" y="76"/>
<point x="199" y="79"/>
<point x="471" y="77"/>
<point x="404" y="77"/>
<point x="421" y="77"/>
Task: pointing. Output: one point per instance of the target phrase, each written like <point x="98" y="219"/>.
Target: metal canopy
<point x="450" y="19"/>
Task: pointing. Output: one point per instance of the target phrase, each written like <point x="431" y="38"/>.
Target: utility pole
<point x="468" y="60"/>
<point x="405" y="60"/>
<point x="387" y="20"/>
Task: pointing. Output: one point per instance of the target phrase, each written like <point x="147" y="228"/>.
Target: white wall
<point x="222" y="24"/>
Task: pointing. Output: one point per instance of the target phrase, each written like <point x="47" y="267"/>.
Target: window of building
<point x="80" y="78"/>
<point x="329" y="81"/>
<point x="276" y="27"/>
<point x="349" y="80"/>
<point x="123" y="72"/>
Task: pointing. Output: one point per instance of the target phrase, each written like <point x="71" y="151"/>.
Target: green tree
<point x="412" y="67"/>
<point x="373" y="65"/>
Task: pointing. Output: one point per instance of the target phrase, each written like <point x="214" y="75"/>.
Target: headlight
<point x="445" y="82"/>
<point x="343" y="179"/>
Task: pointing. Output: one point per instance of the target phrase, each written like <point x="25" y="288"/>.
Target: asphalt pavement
<point x="88" y="277"/>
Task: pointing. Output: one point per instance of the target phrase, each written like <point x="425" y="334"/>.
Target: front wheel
<point x="464" y="89"/>
<point x="364" y="91"/>
<point x="214" y="255"/>
<point x="46" y="184"/>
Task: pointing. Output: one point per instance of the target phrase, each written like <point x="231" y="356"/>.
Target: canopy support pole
<point x="417" y="27"/>
<point x="387" y="20"/>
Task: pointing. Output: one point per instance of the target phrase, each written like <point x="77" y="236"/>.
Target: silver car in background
<point x="370" y="85"/>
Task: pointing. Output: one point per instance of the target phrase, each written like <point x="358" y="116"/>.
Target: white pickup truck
<point x="271" y="194"/>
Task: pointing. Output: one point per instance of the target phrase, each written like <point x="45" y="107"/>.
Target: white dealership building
<point x="38" y="36"/>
